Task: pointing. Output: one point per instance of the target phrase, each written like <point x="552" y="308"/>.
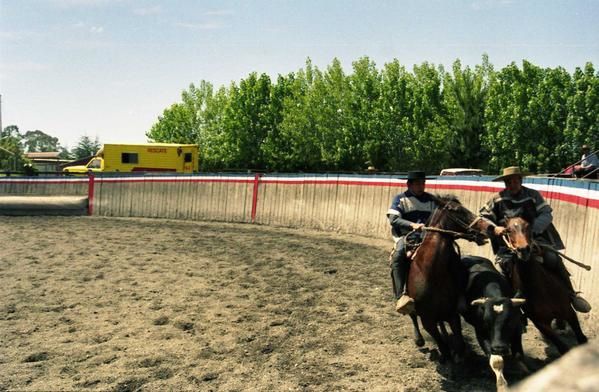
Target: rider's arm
<point x="487" y="213"/>
<point x="544" y="215"/>
<point x="399" y="223"/>
<point x="395" y="216"/>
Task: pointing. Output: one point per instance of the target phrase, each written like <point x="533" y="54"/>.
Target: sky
<point x="108" y="68"/>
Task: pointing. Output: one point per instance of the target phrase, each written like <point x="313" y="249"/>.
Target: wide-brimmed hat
<point x="416" y="175"/>
<point x="510" y="171"/>
<point x="585" y="147"/>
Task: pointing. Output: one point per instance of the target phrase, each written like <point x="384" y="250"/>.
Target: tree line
<point x="14" y="143"/>
<point x="391" y="118"/>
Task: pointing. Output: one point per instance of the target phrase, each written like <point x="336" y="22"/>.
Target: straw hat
<point x="510" y="171"/>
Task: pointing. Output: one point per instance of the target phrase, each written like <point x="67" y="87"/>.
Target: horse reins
<point x="534" y="243"/>
<point x="455" y="234"/>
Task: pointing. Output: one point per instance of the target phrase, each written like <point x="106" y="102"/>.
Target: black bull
<point x="492" y="312"/>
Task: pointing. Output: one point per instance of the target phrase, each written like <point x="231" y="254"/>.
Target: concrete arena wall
<point x="345" y="203"/>
<point x="44" y="186"/>
<point x="207" y="197"/>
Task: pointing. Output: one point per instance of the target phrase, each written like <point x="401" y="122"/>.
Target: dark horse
<point x="433" y="280"/>
<point x="548" y="297"/>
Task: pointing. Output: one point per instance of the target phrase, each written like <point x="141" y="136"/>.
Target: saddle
<point x="412" y="244"/>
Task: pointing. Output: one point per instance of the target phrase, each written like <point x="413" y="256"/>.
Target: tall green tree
<point x="582" y="124"/>
<point x="276" y="146"/>
<point x="464" y="99"/>
<point x="365" y="132"/>
<point x="86" y="147"/>
<point x="300" y="147"/>
<point x="395" y="115"/>
<point x="549" y="111"/>
<point x="176" y="125"/>
<point x="329" y="102"/>
<point x="428" y="128"/>
<point x="11" y="148"/>
<point x="394" y="119"/>
<point x="248" y="121"/>
<point x="38" y="141"/>
<point x="525" y="116"/>
<point x="507" y="116"/>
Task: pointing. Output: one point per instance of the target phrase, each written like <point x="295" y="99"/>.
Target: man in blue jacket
<point x="408" y="213"/>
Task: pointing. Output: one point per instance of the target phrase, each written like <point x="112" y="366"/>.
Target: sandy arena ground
<point x="139" y="304"/>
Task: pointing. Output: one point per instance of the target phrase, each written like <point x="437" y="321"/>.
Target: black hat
<point x="416" y="175"/>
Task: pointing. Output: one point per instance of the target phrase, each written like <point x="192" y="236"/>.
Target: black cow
<point x="492" y="312"/>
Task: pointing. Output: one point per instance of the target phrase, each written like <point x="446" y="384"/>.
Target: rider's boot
<point x="578" y="303"/>
<point x="399" y="273"/>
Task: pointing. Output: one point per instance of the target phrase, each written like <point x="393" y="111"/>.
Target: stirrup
<point x="405" y="305"/>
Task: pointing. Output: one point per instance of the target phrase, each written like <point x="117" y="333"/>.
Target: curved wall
<point x="345" y="203"/>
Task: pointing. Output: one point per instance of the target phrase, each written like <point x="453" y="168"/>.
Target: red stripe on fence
<point x="202" y="180"/>
<point x="255" y="196"/>
<point x="60" y="182"/>
<point x="90" y="194"/>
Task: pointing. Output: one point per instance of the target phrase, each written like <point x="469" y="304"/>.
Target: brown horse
<point x="548" y="297"/>
<point x="433" y="280"/>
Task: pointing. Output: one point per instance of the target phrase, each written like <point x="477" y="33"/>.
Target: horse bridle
<point x="470" y="234"/>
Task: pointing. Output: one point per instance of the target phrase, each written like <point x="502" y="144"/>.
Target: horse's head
<point x="452" y="215"/>
<point x="518" y="236"/>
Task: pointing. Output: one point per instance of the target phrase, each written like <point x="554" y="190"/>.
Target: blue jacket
<point x="407" y="208"/>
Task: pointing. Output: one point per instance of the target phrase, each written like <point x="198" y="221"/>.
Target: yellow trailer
<point x="150" y="157"/>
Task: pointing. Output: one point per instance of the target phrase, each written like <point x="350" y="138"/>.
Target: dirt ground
<point x="139" y="304"/>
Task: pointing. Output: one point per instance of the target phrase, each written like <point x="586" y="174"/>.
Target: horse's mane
<point x="446" y="198"/>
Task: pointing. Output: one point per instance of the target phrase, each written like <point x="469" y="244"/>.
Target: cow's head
<point x="501" y="318"/>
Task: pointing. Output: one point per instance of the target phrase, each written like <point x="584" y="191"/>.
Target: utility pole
<point x="1" y="129"/>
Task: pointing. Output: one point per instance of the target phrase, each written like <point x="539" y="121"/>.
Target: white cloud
<point x="96" y="29"/>
<point x="154" y="10"/>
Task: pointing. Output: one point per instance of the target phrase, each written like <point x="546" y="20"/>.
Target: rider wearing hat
<point x="518" y="200"/>
<point x="408" y="213"/>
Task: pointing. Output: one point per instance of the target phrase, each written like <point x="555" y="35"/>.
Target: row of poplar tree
<point x="393" y="119"/>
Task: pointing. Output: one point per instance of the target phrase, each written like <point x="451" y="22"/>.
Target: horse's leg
<point x="485" y="344"/>
<point x="418" y="339"/>
<point x="443" y="330"/>
<point x="550" y="334"/>
<point x="432" y="329"/>
<point x="518" y="352"/>
<point x="575" y="325"/>
<point x="456" y="327"/>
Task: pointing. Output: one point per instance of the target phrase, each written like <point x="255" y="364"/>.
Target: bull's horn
<point x="480" y="301"/>
<point x="518" y="301"/>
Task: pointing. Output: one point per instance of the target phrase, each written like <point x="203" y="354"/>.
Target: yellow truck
<point x="150" y="157"/>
